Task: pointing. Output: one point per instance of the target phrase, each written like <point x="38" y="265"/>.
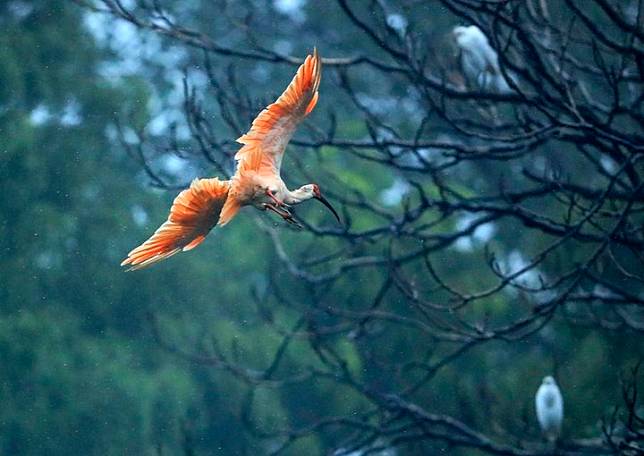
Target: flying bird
<point x="549" y="408"/>
<point x="256" y="182"/>
<point x="480" y="63"/>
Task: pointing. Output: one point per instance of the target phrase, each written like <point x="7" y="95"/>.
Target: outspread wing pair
<point x="196" y="210"/>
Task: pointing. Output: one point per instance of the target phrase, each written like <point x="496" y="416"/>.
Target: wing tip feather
<point x="295" y="97"/>
<point x="194" y="213"/>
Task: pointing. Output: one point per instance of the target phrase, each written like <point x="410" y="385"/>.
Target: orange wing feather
<point x="195" y="211"/>
<point x="265" y="142"/>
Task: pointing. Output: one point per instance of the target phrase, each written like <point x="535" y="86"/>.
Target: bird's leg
<point x="284" y="213"/>
<point x="277" y="202"/>
<point x="278" y="210"/>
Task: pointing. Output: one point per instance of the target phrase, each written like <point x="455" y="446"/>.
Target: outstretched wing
<point x="195" y="211"/>
<point x="265" y="142"/>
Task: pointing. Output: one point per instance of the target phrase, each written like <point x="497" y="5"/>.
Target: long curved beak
<point x="324" y="201"/>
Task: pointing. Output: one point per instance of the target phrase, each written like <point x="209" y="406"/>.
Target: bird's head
<point x="548" y="380"/>
<point x="309" y="191"/>
<point x="470" y="37"/>
<point x="456" y="38"/>
<point x="459" y="31"/>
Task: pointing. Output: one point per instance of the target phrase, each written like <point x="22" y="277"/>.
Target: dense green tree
<point x="78" y="373"/>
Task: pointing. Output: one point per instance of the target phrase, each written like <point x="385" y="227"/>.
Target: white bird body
<point x="479" y="61"/>
<point x="549" y="408"/>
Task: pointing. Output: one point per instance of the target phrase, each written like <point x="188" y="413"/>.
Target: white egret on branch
<point x="549" y="408"/>
<point x="480" y="63"/>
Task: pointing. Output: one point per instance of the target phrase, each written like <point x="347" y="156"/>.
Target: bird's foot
<point x="290" y="219"/>
<point x="284" y="213"/>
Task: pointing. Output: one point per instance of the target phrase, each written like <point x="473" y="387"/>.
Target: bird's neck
<point x="297" y="196"/>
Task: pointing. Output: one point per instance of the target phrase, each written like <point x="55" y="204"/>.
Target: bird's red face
<point x="318" y="196"/>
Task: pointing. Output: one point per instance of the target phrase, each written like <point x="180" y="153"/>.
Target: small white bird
<point x="549" y="407"/>
<point x="479" y="61"/>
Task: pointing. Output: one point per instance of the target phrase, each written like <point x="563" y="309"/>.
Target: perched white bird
<point x="549" y="407"/>
<point x="479" y="61"/>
